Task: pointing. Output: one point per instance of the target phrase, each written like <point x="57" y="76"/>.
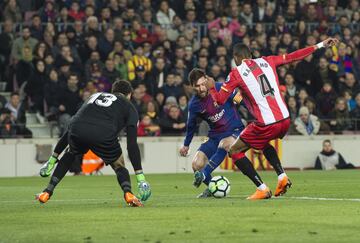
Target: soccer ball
<point x="219" y="186"/>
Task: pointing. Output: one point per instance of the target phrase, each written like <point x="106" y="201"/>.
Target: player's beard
<point x="203" y="94"/>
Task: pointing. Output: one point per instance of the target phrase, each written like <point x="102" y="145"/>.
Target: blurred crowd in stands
<point x="55" y="54"/>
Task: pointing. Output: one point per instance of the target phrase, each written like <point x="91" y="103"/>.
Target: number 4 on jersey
<point x="265" y="86"/>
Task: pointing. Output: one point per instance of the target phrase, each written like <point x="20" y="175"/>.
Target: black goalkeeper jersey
<point x="107" y="112"/>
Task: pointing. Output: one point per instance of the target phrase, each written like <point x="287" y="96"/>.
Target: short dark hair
<point x="241" y="50"/>
<point x="195" y="74"/>
<point x="122" y="86"/>
<point x="14" y="93"/>
<point x="327" y="141"/>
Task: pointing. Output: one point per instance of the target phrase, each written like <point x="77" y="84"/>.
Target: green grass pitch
<point x="91" y="209"/>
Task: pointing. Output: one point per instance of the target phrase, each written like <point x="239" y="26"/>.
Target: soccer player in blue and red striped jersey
<point x="225" y="126"/>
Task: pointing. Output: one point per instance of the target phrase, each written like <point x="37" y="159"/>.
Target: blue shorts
<point x="210" y="146"/>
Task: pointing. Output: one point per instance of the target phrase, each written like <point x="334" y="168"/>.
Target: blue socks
<point x="214" y="162"/>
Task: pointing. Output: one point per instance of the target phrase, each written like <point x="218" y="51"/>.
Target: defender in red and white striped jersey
<point x="259" y="85"/>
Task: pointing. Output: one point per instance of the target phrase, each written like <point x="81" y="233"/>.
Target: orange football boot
<point x="282" y="186"/>
<point x="132" y="201"/>
<point x="43" y="197"/>
<point x="260" y="194"/>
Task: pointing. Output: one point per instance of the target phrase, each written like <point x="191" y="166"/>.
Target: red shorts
<point x="258" y="137"/>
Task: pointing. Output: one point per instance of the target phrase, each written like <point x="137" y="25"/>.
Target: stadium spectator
<point x="106" y="42"/>
<point x="6" y="39"/>
<point x="160" y="101"/>
<point x="340" y="117"/>
<point x="49" y="12"/>
<point x="326" y="100"/>
<point x="225" y="25"/>
<point x="147" y="127"/>
<point x="246" y="15"/>
<point x="140" y="77"/>
<point x="69" y="99"/>
<point x="35" y="88"/>
<point x="292" y="89"/>
<point x="92" y="27"/>
<point x="137" y="100"/>
<point x="152" y="110"/>
<point x="3" y="101"/>
<point x="8" y="128"/>
<point x="306" y="123"/>
<point x="355" y="113"/>
<point x="324" y="75"/>
<point x="351" y="103"/>
<point x="170" y="88"/>
<point x="165" y="14"/>
<point x="138" y="59"/>
<point x="36" y="27"/>
<point x="350" y="83"/>
<point x="90" y="46"/>
<point x="109" y="72"/>
<point x="292" y="106"/>
<point x="183" y="105"/>
<point x="51" y="95"/>
<point x="15" y="118"/>
<point x="12" y="11"/>
<point x="41" y="50"/>
<point x="145" y="96"/>
<point x="75" y="12"/>
<point x="23" y="46"/>
<point x="329" y="159"/>
<point x="172" y="123"/>
<point x="158" y="75"/>
<point x="310" y="103"/>
<point x="303" y="74"/>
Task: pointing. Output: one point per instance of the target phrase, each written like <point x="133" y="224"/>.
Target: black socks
<point x="273" y="158"/>
<point x="245" y="166"/>
<point x="61" y="169"/>
<point x="123" y="178"/>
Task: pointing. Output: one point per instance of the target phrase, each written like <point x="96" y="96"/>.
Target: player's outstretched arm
<point x="190" y="130"/>
<point x="225" y="91"/>
<point x="135" y="159"/>
<point x="47" y="168"/>
<point x="302" y="53"/>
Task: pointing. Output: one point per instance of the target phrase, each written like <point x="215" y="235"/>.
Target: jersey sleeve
<point x="190" y="124"/>
<point x="62" y="143"/>
<point x="133" y="117"/>
<point x="131" y="138"/>
<point x="226" y="89"/>
<point x="291" y="57"/>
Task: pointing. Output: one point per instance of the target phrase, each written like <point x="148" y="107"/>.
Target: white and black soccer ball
<point x="219" y="186"/>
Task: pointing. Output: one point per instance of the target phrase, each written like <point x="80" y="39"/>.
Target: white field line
<point x="94" y="200"/>
<point x="63" y="200"/>
<point x="325" y="199"/>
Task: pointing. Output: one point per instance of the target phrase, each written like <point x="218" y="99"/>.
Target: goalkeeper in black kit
<point x="96" y="126"/>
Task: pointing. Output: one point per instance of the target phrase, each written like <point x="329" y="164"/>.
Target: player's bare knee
<point x="225" y="145"/>
<point x="196" y="165"/>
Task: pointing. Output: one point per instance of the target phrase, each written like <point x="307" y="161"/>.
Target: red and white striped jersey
<point x="259" y="85"/>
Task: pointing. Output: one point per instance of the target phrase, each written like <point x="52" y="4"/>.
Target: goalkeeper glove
<point x="143" y="187"/>
<point x="46" y="169"/>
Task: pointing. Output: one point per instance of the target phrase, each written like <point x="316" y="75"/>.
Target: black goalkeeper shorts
<point x="98" y="139"/>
